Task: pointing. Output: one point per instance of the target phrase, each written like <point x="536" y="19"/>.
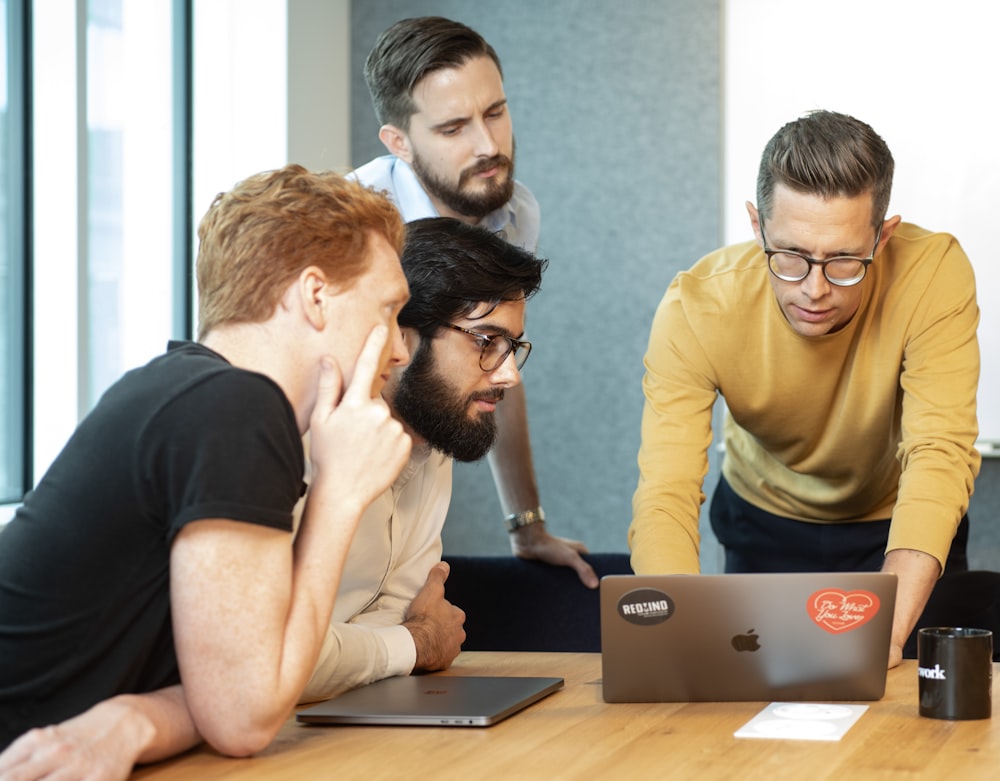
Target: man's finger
<point x="330" y="385"/>
<point x="368" y="365"/>
<point x="439" y="572"/>
<point x="586" y="573"/>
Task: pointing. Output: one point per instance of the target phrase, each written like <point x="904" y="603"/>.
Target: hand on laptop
<point x="917" y="573"/>
<point x="437" y="625"/>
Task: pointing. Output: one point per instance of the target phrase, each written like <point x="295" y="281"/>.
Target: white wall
<point x="240" y="103"/>
<point x="271" y="83"/>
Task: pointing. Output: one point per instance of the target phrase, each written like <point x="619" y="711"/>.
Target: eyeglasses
<point x="495" y="348"/>
<point x="843" y="270"/>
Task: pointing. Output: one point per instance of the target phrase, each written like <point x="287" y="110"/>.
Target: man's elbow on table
<point x="237" y="735"/>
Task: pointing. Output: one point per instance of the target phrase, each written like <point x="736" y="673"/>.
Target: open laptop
<point x="432" y="700"/>
<point x="760" y="637"/>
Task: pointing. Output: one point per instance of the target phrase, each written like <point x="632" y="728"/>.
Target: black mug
<point x="956" y="672"/>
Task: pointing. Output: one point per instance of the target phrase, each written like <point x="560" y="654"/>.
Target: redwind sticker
<point x="645" y="606"/>
<point x="841" y="611"/>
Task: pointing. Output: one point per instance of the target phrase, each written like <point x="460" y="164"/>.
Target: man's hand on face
<point x="354" y="439"/>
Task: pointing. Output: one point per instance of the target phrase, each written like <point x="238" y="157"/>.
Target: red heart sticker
<point x="841" y="611"/>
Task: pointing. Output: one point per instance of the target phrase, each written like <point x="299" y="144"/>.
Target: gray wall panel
<point x="616" y="110"/>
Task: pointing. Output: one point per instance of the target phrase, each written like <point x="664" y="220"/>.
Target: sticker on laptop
<point x="645" y="606"/>
<point x="839" y="611"/>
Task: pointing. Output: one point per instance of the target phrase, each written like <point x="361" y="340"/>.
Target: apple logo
<point x="747" y="642"/>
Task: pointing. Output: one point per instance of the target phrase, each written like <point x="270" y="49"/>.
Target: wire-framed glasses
<point x="494" y="348"/>
<point x="842" y="270"/>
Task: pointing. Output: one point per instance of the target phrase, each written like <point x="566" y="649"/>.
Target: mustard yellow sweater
<point x="877" y="420"/>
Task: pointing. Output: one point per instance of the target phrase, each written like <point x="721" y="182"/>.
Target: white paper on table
<point x="802" y="721"/>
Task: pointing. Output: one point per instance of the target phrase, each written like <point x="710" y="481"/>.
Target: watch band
<point x="524" y="518"/>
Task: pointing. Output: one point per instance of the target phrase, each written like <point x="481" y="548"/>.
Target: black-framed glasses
<point x="494" y="348"/>
<point x="842" y="270"/>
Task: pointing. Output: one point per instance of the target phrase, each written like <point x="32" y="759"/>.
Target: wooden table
<point x="574" y="734"/>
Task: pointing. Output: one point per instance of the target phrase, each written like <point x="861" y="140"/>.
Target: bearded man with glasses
<point x="844" y="346"/>
<point x="463" y="328"/>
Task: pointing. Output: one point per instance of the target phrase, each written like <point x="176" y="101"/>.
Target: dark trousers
<point x="757" y="541"/>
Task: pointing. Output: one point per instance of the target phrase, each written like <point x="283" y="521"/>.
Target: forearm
<point x="676" y="434"/>
<point x="917" y="573"/>
<point x="366" y="640"/>
<point x="357" y="448"/>
<point x="432" y="652"/>
<point x="354" y="655"/>
<point x="250" y="617"/>
<point x="510" y="459"/>
<point x="173" y="729"/>
<point x="107" y="740"/>
<point x="662" y="545"/>
<point x="664" y="533"/>
<point x="326" y="529"/>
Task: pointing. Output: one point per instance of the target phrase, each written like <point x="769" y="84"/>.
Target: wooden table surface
<point x="574" y="734"/>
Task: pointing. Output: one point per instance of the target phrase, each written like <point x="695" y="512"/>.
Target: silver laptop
<point x="432" y="700"/>
<point x="767" y="637"/>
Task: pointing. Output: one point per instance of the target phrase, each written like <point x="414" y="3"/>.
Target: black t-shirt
<point x="84" y="564"/>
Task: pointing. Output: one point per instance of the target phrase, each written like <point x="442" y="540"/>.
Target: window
<point x="128" y="305"/>
<point x="111" y="200"/>
<point x="116" y="190"/>
<point x="14" y="452"/>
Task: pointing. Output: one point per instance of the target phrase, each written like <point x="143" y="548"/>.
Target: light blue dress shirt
<point x="518" y="221"/>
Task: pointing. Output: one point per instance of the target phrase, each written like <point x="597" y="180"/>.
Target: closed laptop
<point x="432" y="700"/>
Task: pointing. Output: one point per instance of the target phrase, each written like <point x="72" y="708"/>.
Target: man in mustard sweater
<point x="844" y="346"/>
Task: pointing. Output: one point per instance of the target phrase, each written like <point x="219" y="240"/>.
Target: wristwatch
<point x="524" y="518"/>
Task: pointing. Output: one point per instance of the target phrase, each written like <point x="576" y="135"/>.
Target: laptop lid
<point x="741" y="637"/>
<point x="432" y="700"/>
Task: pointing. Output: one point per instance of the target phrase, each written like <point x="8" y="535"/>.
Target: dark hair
<point x="407" y="52"/>
<point x="453" y="267"/>
<point x="828" y="154"/>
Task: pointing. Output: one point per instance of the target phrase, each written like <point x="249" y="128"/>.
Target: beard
<point x="425" y="401"/>
<point x="462" y="201"/>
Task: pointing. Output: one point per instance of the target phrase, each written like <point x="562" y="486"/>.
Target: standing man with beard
<point x="437" y="90"/>
<point x="462" y="326"/>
